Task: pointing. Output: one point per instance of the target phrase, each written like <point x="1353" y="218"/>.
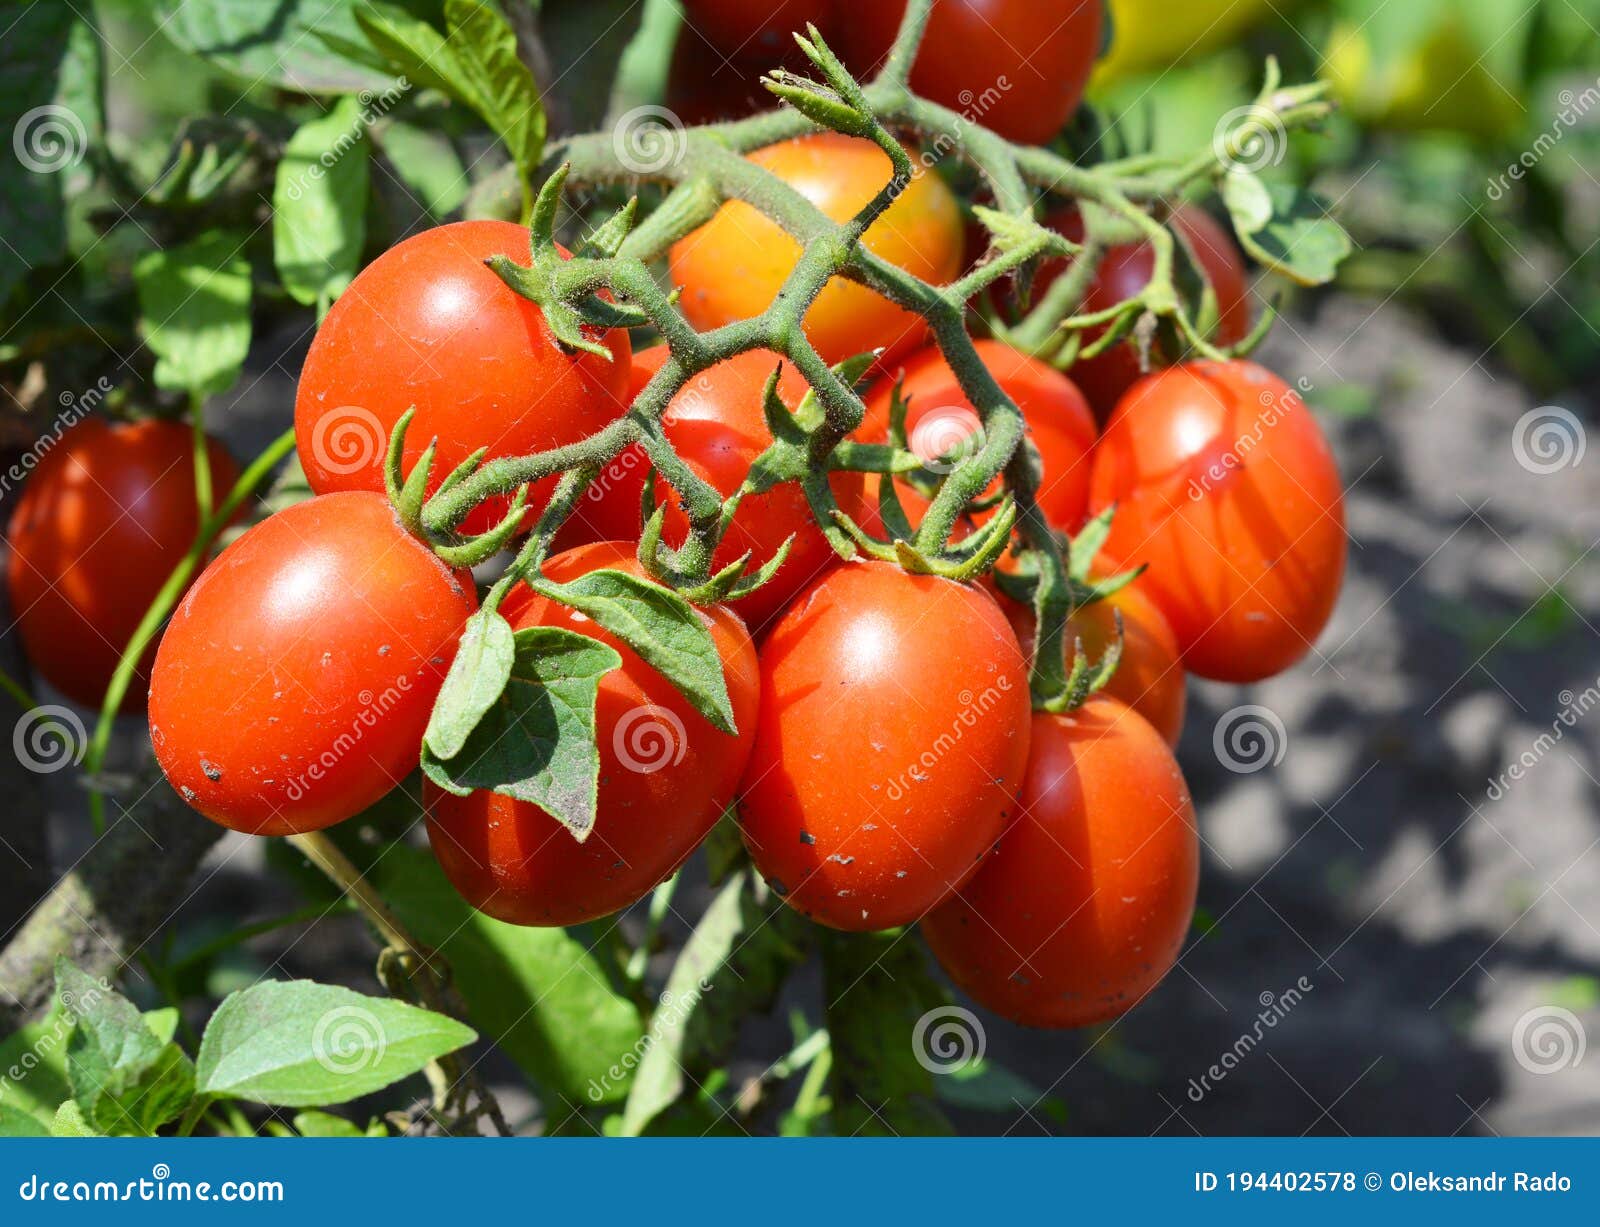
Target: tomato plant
<point x="106" y="516"/>
<point x="1083" y="906"/>
<point x="1224" y="485"/>
<point x="666" y="776"/>
<point x="427" y="327"/>
<point x="292" y="687"/>
<point x="731" y="268"/>
<point x="890" y="742"/>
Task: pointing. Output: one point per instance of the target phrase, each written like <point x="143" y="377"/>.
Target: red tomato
<point x="666" y="776"/>
<point x="426" y="325"/>
<point x="939" y="417"/>
<point x="106" y="516"/>
<point x="890" y="745"/>
<point x="755" y="32"/>
<point x="734" y="266"/>
<point x="1126" y="270"/>
<point x="1083" y="907"/>
<point x="610" y="508"/>
<point x="1149" y="676"/>
<point x="1224" y="484"/>
<point x="294" y="683"/>
<point x="1016" y="66"/>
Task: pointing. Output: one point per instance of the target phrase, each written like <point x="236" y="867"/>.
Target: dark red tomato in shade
<point x="427" y="325"/>
<point x="1126" y="270"/>
<point x="1084" y="905"/>
<point x="890" y="745"/>
<point x="1224" y="484"/>
<point x="717" y="425"/>
<point x="107" y="514"/>
<point x="666" y="776"/>
<point x="293" y="685"/>
<point x="759" y="32"/>
<point x="1016" y="66"/>
<point x="939" y="418"/>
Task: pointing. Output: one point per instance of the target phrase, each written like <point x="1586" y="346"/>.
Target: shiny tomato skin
<point x="293" y="685"/>
<point x="1149" y="677"/>
<point x="1226" y="487"/>
<point x="755" y="32"/>
<point x="938" y="414"/>
<point x="666" y="776"/>
<point x="427" y="325"/>
<point x="1125" y="270"/>
<point x="733" y="267"/>
<point x="107" y="514"/>
<point x="890" y="744"/>
<point x="1016" y="66"/>
<point x="1084" y="905"/>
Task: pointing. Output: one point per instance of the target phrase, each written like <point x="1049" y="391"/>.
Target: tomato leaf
<point x="1249" y="203"/>
<point x="319" y="204"/>
<point x="539" y="994"/>
<point x="296" y="1044"/>
<point x="427" y="163"/>
<point x="536" y="741"/>
<point x="477" y="677"/>
<point x="68" y="1122"/>
<point x="1301" y="240"/>
<point x="733" y="965"/>
<point x="194" y="311"/>
<point x="667" y="632"/>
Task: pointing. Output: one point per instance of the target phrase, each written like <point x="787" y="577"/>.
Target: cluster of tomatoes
<point x="887" y="765"/>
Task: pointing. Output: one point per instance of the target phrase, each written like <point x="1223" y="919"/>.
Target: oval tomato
<point x="426" y="325"/>
<point x="732" y="267"/>
<point x="939" y="417"/>
<point x="1224" y="484"/>
<point x="755" y="32"/>
<point x="293" y="685"/>
<point x="890" y="745"/>
<point x="106" y="516"/>
<point x="1084" y="905"/>
<point x="666" y="776"/>
<point x="1124" y="271"/>
<point x="1016" y="66"/>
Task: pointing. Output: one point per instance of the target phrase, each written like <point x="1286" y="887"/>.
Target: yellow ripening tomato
<point x="732" y="267"/>
<point x="1151" y="34"/>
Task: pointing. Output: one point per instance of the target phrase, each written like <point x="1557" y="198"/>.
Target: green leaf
<point x="274" y="41"/>
<point x="983" y="1086"/>
<point x="1248" y="200"/>
<point x="880" y="1002"/>
<point x="539" y="994"/>
<point x="69" y="1122"/>
<point x="326" y="1125"/>
<point x="663" y="628"/>
<point x="33" y="1065"/>
<point x="732" y="966"/>
<point x="427" y="163"/>
<point x="15" y="1123"/>
<point x="477" y="677"/>
<point x="536" y="742"/>
<point x="51" y="95"/>
<point x="113" y="1058"/>
<point x="319" y="204"/>
<point x="194" y="308"/>
<point x="297" y="1044"/>
<point x="1301" y="240"/>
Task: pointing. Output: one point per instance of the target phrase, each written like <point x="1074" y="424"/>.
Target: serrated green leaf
<point x="536" y="742"/>
<point x="732" y="966"/>
<point x="297" y="1044"/>
<point x="477" y="677"/>
<point x="487" y="47"/>
<point x="194" y="311"/>
<point x="145" y="1102"/>
<point x="33" y="1065"/>
<point x="540" y="994"/>
<point x="1301" y="241"/>
<point x="112" y="1055"/>
<point x="69" y="1122"/>
<point x="319" y="204"/>
<point x="664" y="629"/>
